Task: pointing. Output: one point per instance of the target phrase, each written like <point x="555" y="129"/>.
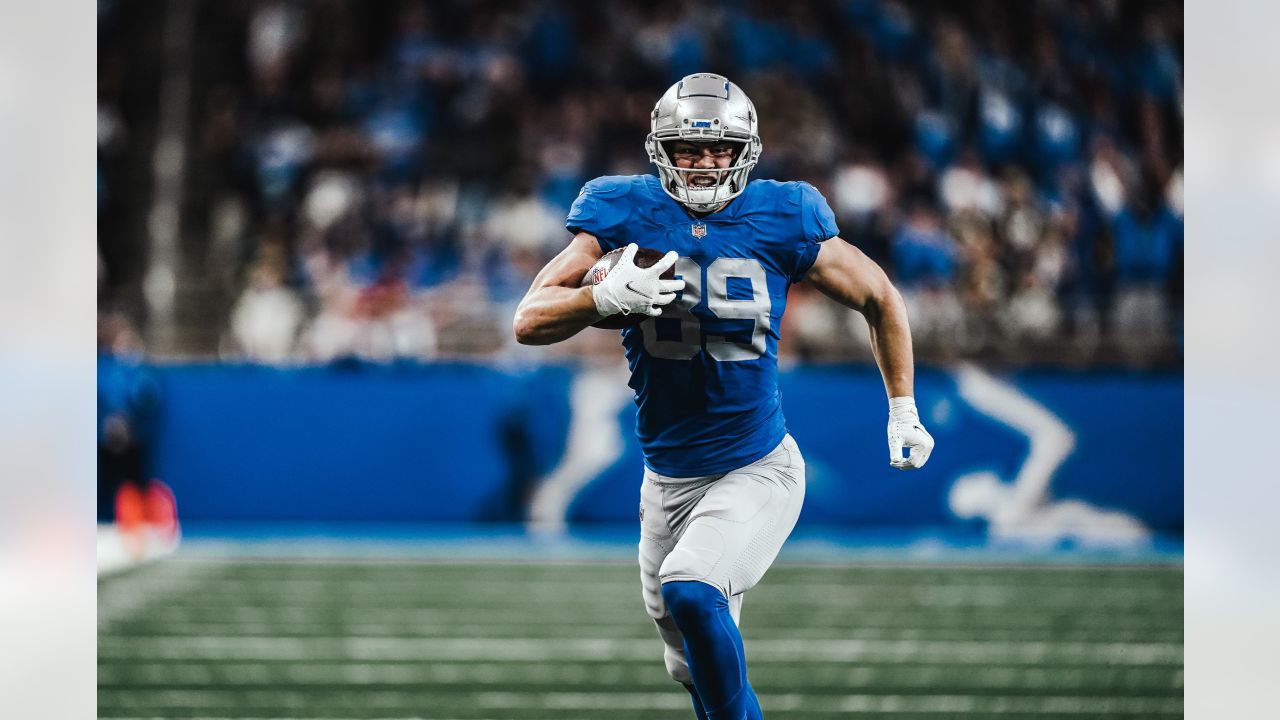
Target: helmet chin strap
<point x="723" y="186"/>
<point x="710" y="205"/>
<point x="702" y="208"/>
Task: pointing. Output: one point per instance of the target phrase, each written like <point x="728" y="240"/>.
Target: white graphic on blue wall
<point x="1021" y="509"/>
<point x="596" y="441"/>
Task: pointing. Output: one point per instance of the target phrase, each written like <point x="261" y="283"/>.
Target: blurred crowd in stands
<point x="383" y="180"/>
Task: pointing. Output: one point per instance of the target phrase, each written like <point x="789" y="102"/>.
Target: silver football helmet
<point x="704" y="108"/>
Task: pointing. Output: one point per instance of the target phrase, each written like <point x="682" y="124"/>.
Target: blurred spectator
<point x="925" y="258"/>
<point x="965" y="187"/>
<point x="266" y="318"/>
<point x="142" y="508"/>
<point x="521" y="221"/>
<point x="367" y="308"/>
<point x="863" y="198"/>
<point x="952" y="77"/>
<point x="861" y="190"/>
<point x="128" y="403"/>
<point x="1148" y="240"/>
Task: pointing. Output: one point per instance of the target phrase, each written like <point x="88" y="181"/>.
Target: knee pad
<point x="673" y="649"/>
<point x="677" y="666"/>
<point x="693" y="604"/>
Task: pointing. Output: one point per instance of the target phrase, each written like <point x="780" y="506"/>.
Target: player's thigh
<point x="662" y="506"/>
<point x="738" y="526"/>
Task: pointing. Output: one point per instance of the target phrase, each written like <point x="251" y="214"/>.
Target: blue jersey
<point x="705" y="372"/>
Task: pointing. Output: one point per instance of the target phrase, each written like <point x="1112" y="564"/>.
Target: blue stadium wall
<point x="459" y="443"/>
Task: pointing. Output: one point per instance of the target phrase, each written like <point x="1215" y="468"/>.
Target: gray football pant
<point x="724" y="530"/>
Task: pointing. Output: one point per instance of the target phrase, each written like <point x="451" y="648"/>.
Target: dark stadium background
<point x="315" y="220"/>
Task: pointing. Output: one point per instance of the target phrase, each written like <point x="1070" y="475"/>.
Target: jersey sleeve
<point x="817" y="225"/>
<point x="601" y="209"/>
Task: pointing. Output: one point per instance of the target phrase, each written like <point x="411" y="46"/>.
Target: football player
<point x="723" y="480"/>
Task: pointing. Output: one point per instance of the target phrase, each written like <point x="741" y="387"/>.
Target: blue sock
<point x="713" y="648"/>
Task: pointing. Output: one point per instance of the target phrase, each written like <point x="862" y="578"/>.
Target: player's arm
<point x="843" y="273"/>
<point x="556" y="308"/>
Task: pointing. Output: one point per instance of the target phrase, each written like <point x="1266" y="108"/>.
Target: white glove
<point x="906" y="430"/>
<point x="629" y="288"/>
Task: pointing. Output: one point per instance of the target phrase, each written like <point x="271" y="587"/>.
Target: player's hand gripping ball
<point x="631" y="284"/>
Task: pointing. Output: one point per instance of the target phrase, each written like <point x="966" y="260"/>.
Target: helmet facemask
<point x="727" y="183"/>
<point x="704" y="108"/>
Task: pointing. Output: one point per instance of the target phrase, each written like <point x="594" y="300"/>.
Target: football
<point x="644" y="258"/>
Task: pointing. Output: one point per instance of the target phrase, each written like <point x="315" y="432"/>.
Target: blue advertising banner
<point x="1040" y="455"/>
<point x="1037" y="453"/>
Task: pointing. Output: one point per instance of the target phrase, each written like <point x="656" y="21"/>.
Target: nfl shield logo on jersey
<point x="699" y="230"/>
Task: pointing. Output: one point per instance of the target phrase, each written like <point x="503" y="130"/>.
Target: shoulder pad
<point x="772" y="194"/>
<point x="610" y="186"/>
<point x="798" y="190"/>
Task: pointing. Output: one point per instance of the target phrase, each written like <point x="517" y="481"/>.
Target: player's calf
<point x="713" y="649"/>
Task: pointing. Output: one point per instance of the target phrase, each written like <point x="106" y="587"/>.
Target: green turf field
<point x="235" y="639"/>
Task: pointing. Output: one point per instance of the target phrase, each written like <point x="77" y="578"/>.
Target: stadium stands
<point x="355" y="173"/>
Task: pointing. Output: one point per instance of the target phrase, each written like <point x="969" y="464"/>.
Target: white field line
<point x="480" y="613"/>
<point x="549" y="649"/>
<point x="548" y="570"/>
<point x="322" y="550"/>
<point x="840" y="703"/>
<point x="673" y="701"/>
<point x="247" y="675"/>
<point x="555" y="585"/>
<point x="183" y="613"/>
<point x="641" y="630"/>
<point x="154" y="586"/>
<point x="513" y="592"/>
<point x="532" y="606"/>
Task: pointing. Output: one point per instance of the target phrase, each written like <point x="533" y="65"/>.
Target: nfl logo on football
<point x="699" y="230"/>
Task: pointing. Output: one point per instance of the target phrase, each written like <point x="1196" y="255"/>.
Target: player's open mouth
<point x="702" y="181"/>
